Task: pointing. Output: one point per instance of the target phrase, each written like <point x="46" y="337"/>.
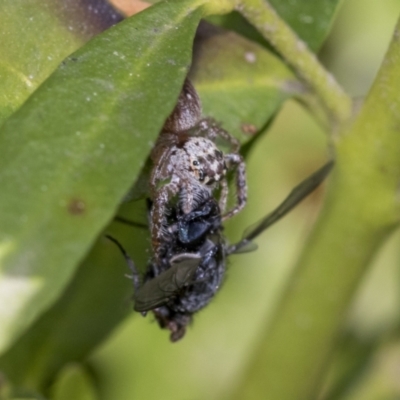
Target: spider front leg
<point x="210" y="128"/>
<point x="159" y="232"/>
<point x="223" y="198"/>
<point x="231" y="161"/>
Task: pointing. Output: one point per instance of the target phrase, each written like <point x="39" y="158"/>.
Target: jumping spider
<point x="188" y="163"/>
<point x="190" y="251"/>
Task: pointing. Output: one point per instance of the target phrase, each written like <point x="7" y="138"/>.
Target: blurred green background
<point x="139" y="362"/>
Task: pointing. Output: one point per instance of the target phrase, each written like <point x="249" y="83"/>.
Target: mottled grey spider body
<point x="188" y="163"/>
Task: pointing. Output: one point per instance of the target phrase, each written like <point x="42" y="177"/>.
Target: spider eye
<point x="195" y="163"/>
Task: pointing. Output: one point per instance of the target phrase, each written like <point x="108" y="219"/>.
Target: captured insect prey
<point x="189" y="270"/>
<point x="188" y="198"/>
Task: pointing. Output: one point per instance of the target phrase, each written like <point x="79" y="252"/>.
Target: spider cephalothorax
<point x="188" y="163"/>
<point x="206" y="161"/>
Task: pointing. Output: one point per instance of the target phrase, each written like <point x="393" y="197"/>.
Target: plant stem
<point x="362" y="209"/>
<point x="295" y="52"/>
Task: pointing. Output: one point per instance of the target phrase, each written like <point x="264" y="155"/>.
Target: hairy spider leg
<point x="211" y="129"/>
<point x="223" y="198"/>
<point x="241" y="184"/>
<point x="159" y="233"/>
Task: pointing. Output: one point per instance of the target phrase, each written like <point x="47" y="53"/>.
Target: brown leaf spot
<point x="76" y="207"/>
<point x="248" y="129"/>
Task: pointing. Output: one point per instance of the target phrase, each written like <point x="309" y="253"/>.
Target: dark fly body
<point x="189" y="270"/>
<point x="196" y="240"/>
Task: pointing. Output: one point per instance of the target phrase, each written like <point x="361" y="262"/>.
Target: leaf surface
<point x="71" y="152"/>
<point x="241" y="84"/>
<point x="311" y="20"/>
<point x="36" y="35"/>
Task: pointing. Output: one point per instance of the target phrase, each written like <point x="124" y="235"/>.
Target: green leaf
<point x="74" y="383"/>
<point x="240" y="83"/>
<point x="71" y="152"/>
<point x="362" y="209"/>
<point x="311" y="20"/>
<point x="336" y="106"/>
<point x="95" y="301"/>
<point x="35" y="36"/>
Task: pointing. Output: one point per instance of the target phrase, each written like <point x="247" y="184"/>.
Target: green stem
<point x="295" y="52"/>
<point x="362" y="209"/>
